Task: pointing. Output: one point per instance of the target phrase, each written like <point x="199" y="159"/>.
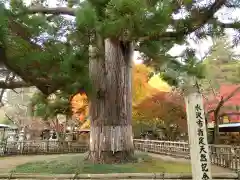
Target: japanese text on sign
<point x="202" y="146"/>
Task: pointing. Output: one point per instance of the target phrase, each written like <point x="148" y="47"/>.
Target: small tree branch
<point x="14" y="85"/>
<point x="8" y="77"/>
<point x="233" y="93"/>
<point x="210" y="111"/>
<point x="40" y="83"/>
<point x="220" y="104"/>
<point x="199" y="19"/>
<point x="217" y="110"/>
<point x="212" y="89"/>
<point x="234" y="25"/>
<point x="14" y="122"/>
<point x="54" y="11"/>
<point x="223" y="100"/>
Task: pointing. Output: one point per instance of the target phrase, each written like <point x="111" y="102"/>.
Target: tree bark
<point x="216" y="129"/>
<point x="111" y="138"/>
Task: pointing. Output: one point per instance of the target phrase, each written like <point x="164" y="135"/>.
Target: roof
<point x="225" y="125"/>
<point x="4" y="126"/>
<point x="7" y="126"/>
<point x="84" y="130"/>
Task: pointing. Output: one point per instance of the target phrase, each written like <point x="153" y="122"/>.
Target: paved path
<point x="9" y="163"/>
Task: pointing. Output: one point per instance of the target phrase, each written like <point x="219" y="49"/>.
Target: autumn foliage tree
<point x="163" y="111"/>
<point x="80" y="108"/>
<point x="73" y="107"/>
<point x="222" y="68"/>
<point x="79" y="104"/>
<point x="141" y="87"/>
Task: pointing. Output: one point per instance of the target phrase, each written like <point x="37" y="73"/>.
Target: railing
<point x="220" y="155"/>
<point x="41" y="147"/>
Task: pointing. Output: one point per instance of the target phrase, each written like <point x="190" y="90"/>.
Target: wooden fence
<point x="41" y="147"/>
<point x="221" y="155"/>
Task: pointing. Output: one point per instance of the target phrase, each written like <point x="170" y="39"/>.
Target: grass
<point x="75" y="164"/>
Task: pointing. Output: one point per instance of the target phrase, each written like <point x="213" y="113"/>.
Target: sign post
<point x="199" y="151"/>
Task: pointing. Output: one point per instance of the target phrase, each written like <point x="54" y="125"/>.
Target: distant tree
<point x="218" y="103"/>
<point x="222" y="67"/>
<point x="48" y="108"/>
<point x="17" y="105"/>
<point x="79" y="105"/>
<point x="161" y="111"/>
<point x="141" y="87"/>
<point x="80" y="109"/>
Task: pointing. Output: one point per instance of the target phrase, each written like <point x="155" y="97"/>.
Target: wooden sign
<point x="200" y="161"/>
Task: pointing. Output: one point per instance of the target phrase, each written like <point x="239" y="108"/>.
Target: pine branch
<point x="41" y="83"/>
<point x="54" y="11"/>
<point x="235" y="25"/>
<point x="13" y="85"/>
<point x="9" y="83"/>
<point x="44" y="84"/>
<point x="19" y="30"/>
<point x="197" y="21"/>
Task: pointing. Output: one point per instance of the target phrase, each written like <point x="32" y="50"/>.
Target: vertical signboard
<point x="200" y="161"/>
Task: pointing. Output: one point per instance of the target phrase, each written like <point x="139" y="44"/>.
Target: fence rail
<point x="41" y="147"/>
<point x="220" y="155"/>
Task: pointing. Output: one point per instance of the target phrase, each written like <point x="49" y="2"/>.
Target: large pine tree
<point x="54" y="53"/>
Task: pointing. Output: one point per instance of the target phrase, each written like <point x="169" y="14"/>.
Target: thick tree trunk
<point x="111" y="138"/>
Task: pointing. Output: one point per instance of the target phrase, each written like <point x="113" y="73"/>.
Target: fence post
<point x="47" y="143"/>
<point x="146" y="145"/>
<point x="68" y="139"/>
<point x="21" y="141"/>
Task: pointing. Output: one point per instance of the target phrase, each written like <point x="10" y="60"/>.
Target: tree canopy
<point x="221" y="67"/>
<point x="51" y="51"/>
